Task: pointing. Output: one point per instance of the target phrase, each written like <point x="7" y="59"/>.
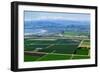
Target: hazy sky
<point x="32" y="16"/>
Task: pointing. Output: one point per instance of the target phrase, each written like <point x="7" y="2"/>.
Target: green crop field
<point x="55" y="49"/>
<point x="75" y="33"/>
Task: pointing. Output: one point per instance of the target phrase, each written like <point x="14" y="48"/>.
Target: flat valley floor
<point x="46" y="49"/>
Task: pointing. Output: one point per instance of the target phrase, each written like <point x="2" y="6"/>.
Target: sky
<point x="36" y="15"/>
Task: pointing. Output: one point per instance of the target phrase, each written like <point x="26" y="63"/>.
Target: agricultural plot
<point x="85" y="43"/>
<point x="55" y="49"/>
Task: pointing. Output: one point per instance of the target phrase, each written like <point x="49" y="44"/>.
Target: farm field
<point x="55" y="49"/>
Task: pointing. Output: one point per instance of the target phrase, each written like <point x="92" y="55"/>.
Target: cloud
<point x="32" y="16"/>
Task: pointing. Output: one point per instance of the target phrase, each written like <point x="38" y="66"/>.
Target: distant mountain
<point x="50" y="26"/>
